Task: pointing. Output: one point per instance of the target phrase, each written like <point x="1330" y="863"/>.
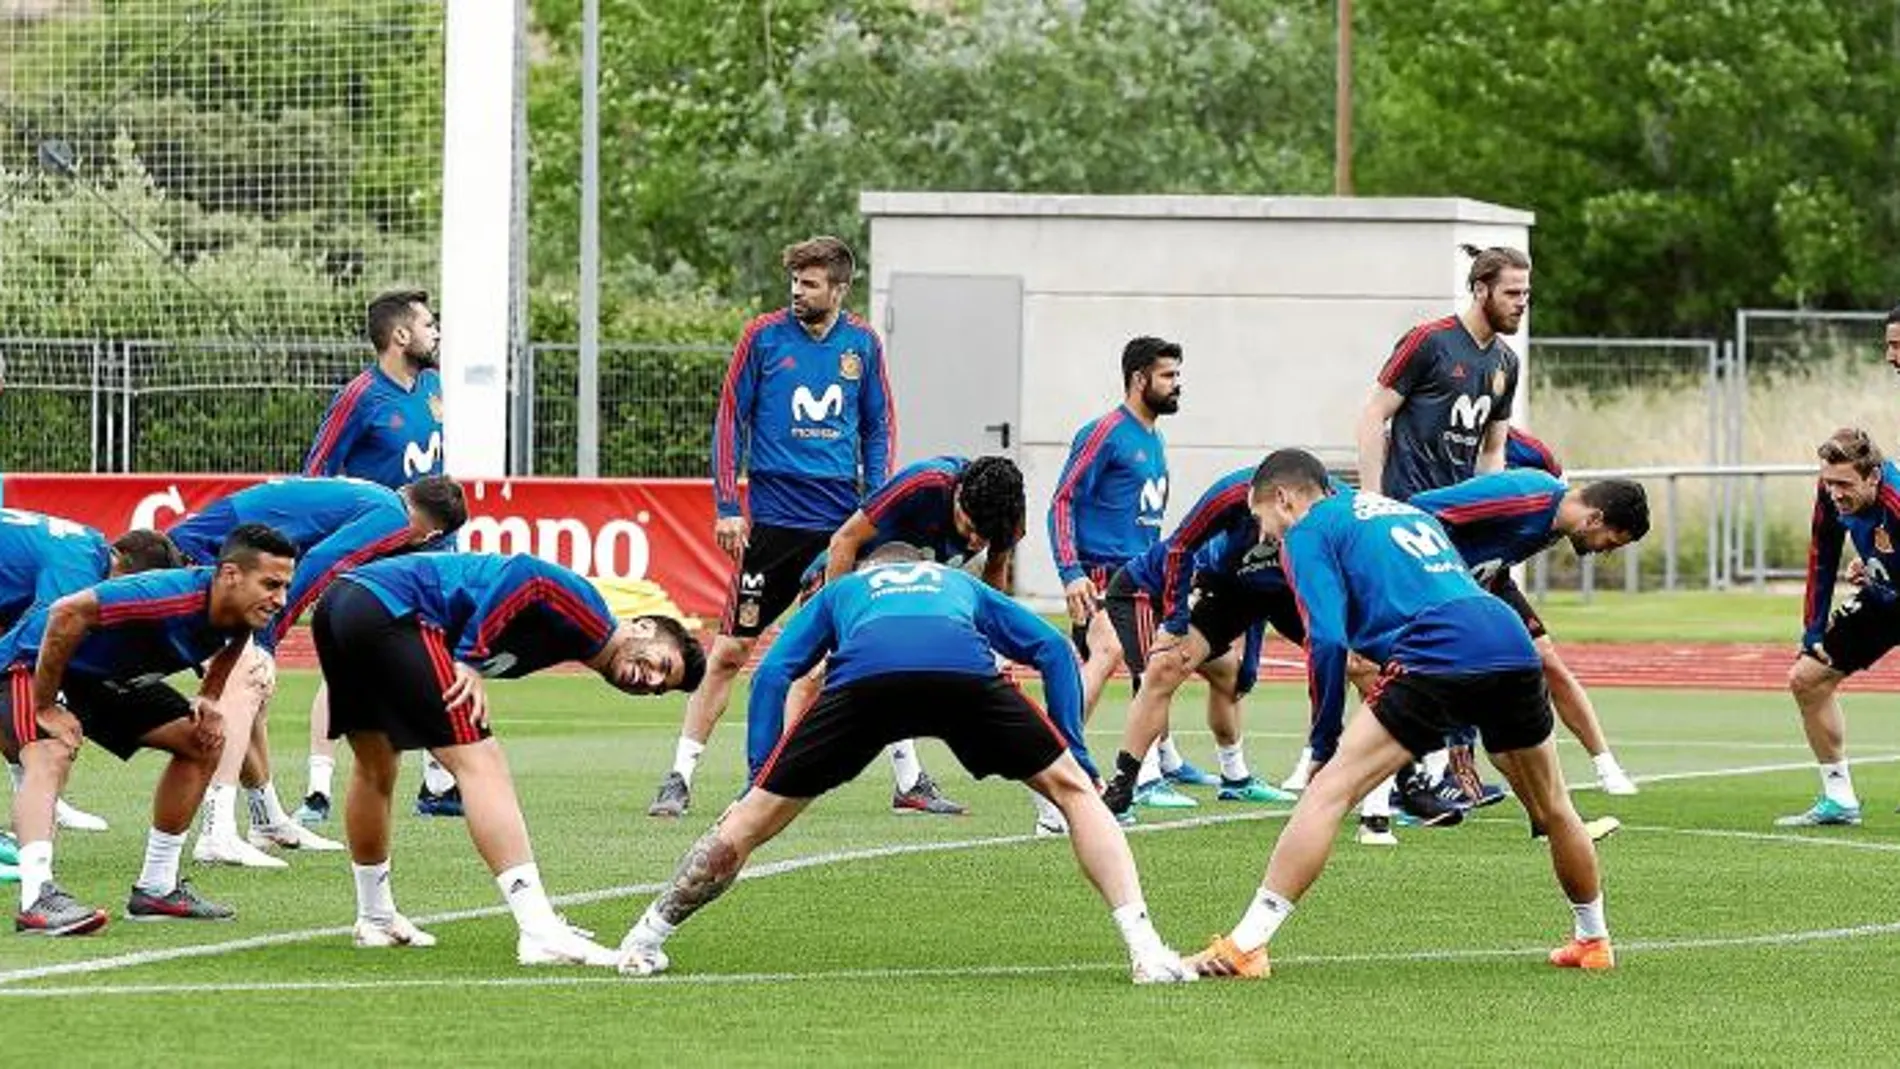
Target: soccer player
<point x="1379" y="576"/>
<point x="912" y="648"/>
<point x="1446" y="394"/>
<point x="44" y="558"/>
<point x="807" y="403"/>
<point x="1107" y="510"/>
<point x="1858" y="498"/>
<point x="384" y="426"/>
<point x="92" y="666"/>
<point x="336" y="524"/>
<point x="1207" y="588"/>
<point x="405" y="644"/>
<point x="1501" y="520"/>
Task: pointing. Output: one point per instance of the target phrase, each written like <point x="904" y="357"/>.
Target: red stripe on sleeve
<point x="882" y="502"/>
<point x="333" y="424"/>
<point x="1523" y="505"/>
<point x="727" y="420"/>
<point x="147" y="609"/>
<point x="1065" y="508"/>
<point x="1408" y="345"/>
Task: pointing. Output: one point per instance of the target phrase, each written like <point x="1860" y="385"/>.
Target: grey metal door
<point x="955" y="347"/>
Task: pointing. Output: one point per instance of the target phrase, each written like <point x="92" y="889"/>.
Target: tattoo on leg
<point x="704" y="874"/>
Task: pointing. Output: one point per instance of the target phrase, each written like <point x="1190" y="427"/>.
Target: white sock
<point x="1435" y="763"/>
<point x="1838" y="783"/>
<point x="1137" y="930"/>
<point x="17" y="774"/>
<point x="266" y="809"/>
<point x="904" y="764"/>
<point x="1047" y="813"/>
<point x="1379" y="802"/>
<point x="1233" y="761"/>
<point x="435" y="777"/>
<point x="521" y="886"/>
<point x="1150" y="767"/>
<point x="160" y="874"/>
<point x="220" y="820"/>
<point x="652" y="930"/>
<point x="1590" y="921"/>
<point x="686" y="757"/>
<point x="1605" y="764"/>
<point x="1263" y="917"/>
<point x="1167" y="755"/>
<point x="321" y="771"/>
<point x="375" y="901"/>
<point x="36" y="870"/>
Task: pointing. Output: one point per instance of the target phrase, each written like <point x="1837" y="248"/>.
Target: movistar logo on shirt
<point x="809" y="408"/>
<point x="904" y="578"/>
<point x="1154" y="494"/>
<point x="418" y="460"/>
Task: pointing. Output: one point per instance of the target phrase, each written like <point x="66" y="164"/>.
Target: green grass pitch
<point x="1739" y="943"/>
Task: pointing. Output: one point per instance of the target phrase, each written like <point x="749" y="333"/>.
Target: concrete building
<point x="1005" y="315"/>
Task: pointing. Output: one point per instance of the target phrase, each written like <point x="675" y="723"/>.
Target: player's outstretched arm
<point x="1321" y="592"/>
<point x="68" y="623"/>
<point x="1491" y="453"/>
<point x="1023" y="637"/>
<point x="1824" y="563"/>
<point x="804" y="642"/>
<point x="841" y="553"/>
<point x="1370" y="436"/>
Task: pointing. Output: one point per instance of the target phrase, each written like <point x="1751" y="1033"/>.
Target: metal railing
<point x="1742" y="483"/>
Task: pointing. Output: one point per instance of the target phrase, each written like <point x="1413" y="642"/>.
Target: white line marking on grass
<point x="796" y="864"/>
<point x="1652" y="946"/>
<point x="770" y="868"/>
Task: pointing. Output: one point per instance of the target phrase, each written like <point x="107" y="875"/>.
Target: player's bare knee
<point x="1809" y="679"/>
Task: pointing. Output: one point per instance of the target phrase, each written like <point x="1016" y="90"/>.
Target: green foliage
<point x="1684" y="159"/>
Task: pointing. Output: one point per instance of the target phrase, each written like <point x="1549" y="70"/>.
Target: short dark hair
<point x="144" y="550"/>
<point x="991" y="492"/>
<point x="1625" y="505"/>
<point x="441" y="499"/>
<point x="824" y="251"/>
<point x="1145" y="352"/>
<point x="249" y="541"/>
<point x="893" y="552"/>
<point x="1488" y="264"/>
<point x="390" y="310"/>
<point x="1852" y="445"/>
<point x="1294" y="469"/>
<point x="1893" y="315"/>
<point x="692" y="654"/>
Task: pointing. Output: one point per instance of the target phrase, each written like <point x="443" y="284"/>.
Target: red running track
<point x="1704" y="666"/>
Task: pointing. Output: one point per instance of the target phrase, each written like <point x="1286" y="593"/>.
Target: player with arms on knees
<point x="1440" y="414"/>
<point x="384" y="426"/>
<point x="806" y="412"/>
<point x="44" y="558"/>
<point x="92" y="665"/>
<point x="1177" y="610"/>
<point x="1106" y="511"/>
<point x="912" y="649"/>
<point x="406" y="645"/>
<point x="335" y="524"/>
<point x="1499" y="521"/>
<point x="1859" y="499"/>
<point x="1378" y="576"/>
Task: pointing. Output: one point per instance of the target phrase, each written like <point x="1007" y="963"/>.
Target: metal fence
<point x="101" y="405"/>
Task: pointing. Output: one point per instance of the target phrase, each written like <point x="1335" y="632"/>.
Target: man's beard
<point x="427" y="359"/>
<point x="808" y="313"/>
<point x="1163" y="404"/>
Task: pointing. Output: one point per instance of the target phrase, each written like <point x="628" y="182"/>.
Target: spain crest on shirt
<point x="850" y="365"/>
<point x="1883" y="542"/>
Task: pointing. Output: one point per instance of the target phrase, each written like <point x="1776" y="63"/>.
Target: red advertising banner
<point x="655" y="529"/>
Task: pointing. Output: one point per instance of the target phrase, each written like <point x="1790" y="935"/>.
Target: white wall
<point x="1285" y="307"/>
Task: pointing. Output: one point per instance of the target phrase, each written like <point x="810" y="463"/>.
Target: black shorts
<point x="1223" y="609"/>
<point x="769" y="577"/>
<point x="1101" y="575"/>
<point x="1132" y="612"/>
<point x="991" y="726"/>
<point x="386" y="673"/>
<point x="1860" y="632"/>
<point x="1510" y="709"/>
<point x="115" y="715"/>
<point x="1507" y="591"/>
